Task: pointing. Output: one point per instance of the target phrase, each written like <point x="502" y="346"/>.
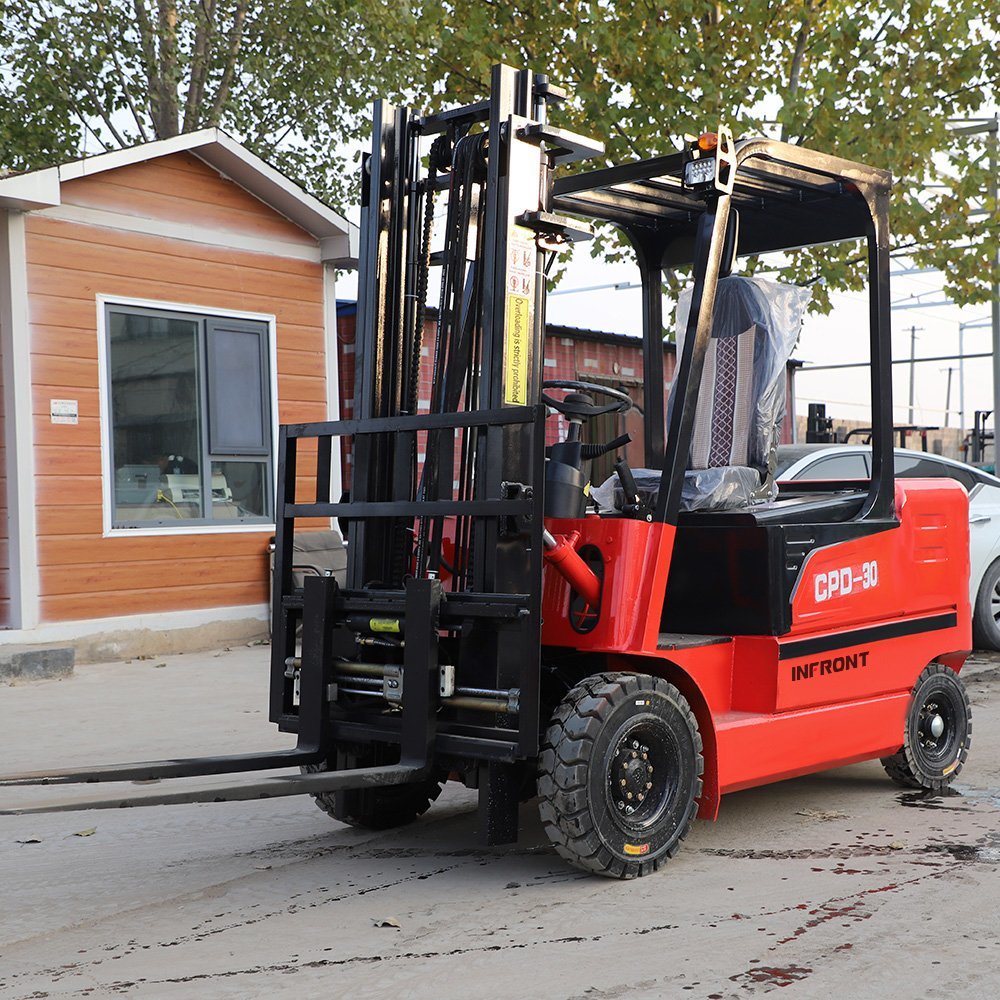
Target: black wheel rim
<point x="938" y="730"/>
<point x="641" y="774"/>
<point x="995" y="600"/>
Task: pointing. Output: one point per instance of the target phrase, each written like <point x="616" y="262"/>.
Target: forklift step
<point x="686" y="640"/>
<point x="270" y="787"/>
<point x="152" y="770"/>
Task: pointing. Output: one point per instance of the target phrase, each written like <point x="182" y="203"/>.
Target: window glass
<point x="918" y="466"/>
<point x="190" y="415"/>
<point x="154" y="415"/>
<point x="236" y="423"/>
<point x="239" y="489"/>
<point x="836" y="467"/>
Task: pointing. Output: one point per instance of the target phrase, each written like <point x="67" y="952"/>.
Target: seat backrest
<point x="741" y="399"/>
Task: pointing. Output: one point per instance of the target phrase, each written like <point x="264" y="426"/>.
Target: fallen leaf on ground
<point x="385" y="922"/>
<point x="821" y="813"/>
<point x="89" y="832"/>
<point x="156" y="666"/>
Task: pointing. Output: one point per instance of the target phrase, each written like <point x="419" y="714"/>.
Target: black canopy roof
<point x="786" y="196"/>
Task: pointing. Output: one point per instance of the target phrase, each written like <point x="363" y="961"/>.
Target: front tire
<point x="938" y="732"/>
<point x="986" y="613"/>
<point x="620" y="774"/>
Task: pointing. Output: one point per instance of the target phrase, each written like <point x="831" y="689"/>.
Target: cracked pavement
<point x="833" y="881"/>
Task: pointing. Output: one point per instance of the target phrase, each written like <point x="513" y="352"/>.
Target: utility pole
<point x="913" y="366"/>
<point x="995" y="290"/>
<point x="947" y="397"/>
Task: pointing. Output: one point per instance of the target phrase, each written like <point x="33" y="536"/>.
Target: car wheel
<point x="986" y="613"/>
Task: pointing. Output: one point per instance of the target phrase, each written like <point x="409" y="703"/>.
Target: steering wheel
<point x="575" y="403"/>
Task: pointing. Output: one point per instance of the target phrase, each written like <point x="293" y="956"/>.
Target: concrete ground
<point x="833" y="885"/>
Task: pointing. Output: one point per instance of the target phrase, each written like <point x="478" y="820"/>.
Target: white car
<point x="845" y="461"/>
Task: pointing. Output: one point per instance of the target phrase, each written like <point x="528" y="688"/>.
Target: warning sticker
<point x="636" y="849"/>
<point x="522" y="258"/>
<point x="517" y="348"/>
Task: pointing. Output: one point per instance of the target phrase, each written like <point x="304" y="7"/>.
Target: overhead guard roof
<point x="787" y="197"/>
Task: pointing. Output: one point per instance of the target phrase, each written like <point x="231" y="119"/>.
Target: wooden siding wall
<point x="84" y="575"/>
<point x="4" y="515"/>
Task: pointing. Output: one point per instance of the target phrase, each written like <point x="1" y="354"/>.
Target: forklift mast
<point x="444" y="518"/>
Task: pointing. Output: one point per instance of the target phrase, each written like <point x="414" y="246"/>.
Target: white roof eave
<point x="338" y="238"/>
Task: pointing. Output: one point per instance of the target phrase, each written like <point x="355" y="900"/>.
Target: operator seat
<point x="741" y="398"/>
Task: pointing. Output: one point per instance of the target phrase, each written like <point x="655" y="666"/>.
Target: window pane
<point x="240" y="489"/>
<point x="236" y="400"/>
<point x="153" y="363"/>
<point x="919" y="466"/>
<point x="837" y="467"/>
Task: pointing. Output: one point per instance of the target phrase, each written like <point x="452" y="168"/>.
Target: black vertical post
<point x="421" y="678"/>
<point x="316" y="673"/>
<point x="881" y="495"/>
<point x="649" y="254"/>
<point x="499" y="797"/>
<point x="282" y="636"/>
<point x="709" y="244"/>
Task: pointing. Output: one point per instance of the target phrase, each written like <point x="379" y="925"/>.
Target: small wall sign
<point x="64" y="411"/>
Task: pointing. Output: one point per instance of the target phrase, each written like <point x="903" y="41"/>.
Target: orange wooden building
<point x="162" y="309"/>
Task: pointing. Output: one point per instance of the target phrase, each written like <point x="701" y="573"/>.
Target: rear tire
<point x="379" y="808"/>
<point x="938" y="732"/>
<point x="620" y="774"/>
<point x="985" y="626"/>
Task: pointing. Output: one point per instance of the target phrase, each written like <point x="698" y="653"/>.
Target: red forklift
<point x="628" y="651"/>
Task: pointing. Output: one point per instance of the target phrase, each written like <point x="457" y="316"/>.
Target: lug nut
<point x="649" y="785"/>
<point x="623" y="781"/>
<point x="645" y="756"/>
<point x="635" y="754"/>
<point x="641" y="796"/>
<point x="628" y="795"/>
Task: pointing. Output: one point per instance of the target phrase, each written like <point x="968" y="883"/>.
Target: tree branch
<point x="795" y="70"/>
<point x="229" y="69"/>
<point x="122" y="78"/>
<point x="148" y="46"/>
<point x="200" y="63"/>
<point x="167" y="30"/>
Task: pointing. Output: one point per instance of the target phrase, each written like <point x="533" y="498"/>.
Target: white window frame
<point x="104" y="395"/>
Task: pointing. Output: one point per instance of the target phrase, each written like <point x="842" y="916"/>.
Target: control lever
<point x="632" y="504"/>
<point x="596" y="450"/>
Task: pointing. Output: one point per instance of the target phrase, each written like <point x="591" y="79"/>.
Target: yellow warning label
<point x="516" y="347"/>
<point x="635" y="849"/>
<point x="384" y="624"/>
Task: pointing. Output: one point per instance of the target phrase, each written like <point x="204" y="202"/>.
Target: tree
<point x="872" y="82"/>
<point x="293" y="80"/>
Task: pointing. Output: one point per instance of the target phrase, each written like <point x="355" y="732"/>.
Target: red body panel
<point x="867" y="616"/>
